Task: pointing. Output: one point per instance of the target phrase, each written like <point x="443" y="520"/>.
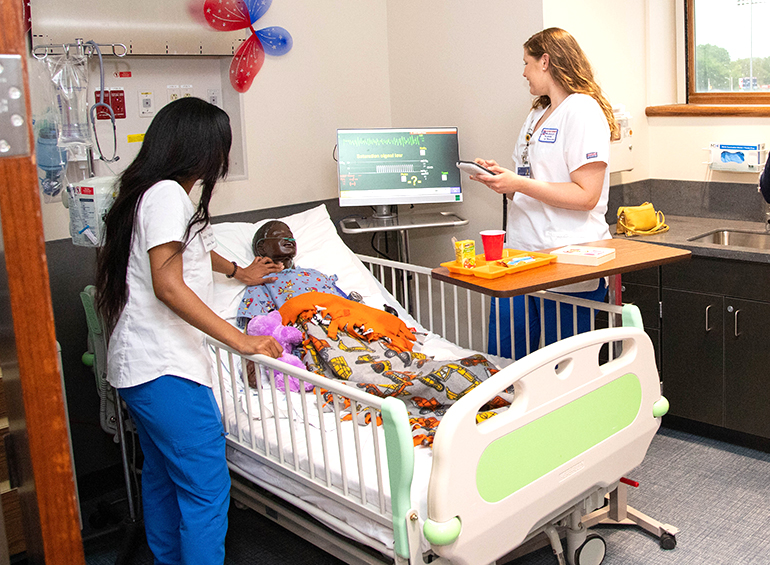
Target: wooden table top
<point x="630" y="255"/>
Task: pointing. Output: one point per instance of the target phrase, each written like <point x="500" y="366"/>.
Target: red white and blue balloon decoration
<point x="232" y="15"/>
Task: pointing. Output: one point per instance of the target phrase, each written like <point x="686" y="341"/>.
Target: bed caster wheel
<point x="667" y="541"/>
<point x="240" y="505"/>
<point x="592" y="551"/>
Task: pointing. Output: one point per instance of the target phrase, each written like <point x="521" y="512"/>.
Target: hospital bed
<point x="585" y="410"/>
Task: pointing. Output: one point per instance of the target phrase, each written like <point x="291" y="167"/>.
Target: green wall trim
<point x="399" y="448"/>
<point x="526" y="454"/>
<point x="442" y="533"/>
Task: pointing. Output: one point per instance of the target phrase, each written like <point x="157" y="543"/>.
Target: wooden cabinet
<point x="715" y="354"/>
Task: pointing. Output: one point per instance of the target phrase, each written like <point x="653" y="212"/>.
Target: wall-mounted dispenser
<point x="621" y="146"/>
<point x="737" y="158"/>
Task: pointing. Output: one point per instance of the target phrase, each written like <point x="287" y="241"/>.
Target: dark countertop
<point x="681" y="228"/>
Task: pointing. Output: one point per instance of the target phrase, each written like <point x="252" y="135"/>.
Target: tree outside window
<point x="728" y="51"/>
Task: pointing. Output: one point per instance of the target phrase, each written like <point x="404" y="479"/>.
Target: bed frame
<point x="585" y="411"/>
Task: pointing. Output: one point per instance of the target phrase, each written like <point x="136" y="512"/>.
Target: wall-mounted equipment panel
<point x="166" y="27"/>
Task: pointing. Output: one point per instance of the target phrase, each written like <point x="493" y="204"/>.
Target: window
<point x="728" y="52"/>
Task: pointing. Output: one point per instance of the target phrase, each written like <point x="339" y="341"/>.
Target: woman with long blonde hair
<point x="557" y="193"/>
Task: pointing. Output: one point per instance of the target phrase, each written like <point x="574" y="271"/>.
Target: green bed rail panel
<point x="632" y="316"/>
<point x="557" y="437"/>
<point x="399" y="448"/>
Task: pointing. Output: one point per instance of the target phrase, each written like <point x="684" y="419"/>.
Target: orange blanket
<point x="358" y="319"/>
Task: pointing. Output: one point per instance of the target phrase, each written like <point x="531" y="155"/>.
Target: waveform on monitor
<point x="399" y="141"/>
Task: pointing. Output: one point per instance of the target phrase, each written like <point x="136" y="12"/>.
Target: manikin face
<point x="279" y="245"/>
<point x="535" y="73"/>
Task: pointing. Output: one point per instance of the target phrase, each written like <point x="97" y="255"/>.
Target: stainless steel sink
<point x="736" y="238"/>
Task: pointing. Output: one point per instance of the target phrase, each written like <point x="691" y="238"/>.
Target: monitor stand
<point x="385" y="212"/>
<point x="384" y="219"/>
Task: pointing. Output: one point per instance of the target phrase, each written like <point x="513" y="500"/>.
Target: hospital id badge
<point x="523" y="171"/>
<point x="208" y="239"/>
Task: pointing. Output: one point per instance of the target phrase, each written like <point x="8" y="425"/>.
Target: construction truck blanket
<point x="373" y="351"/>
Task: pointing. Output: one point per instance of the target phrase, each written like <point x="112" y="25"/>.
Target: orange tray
<point x="494" y="269"/>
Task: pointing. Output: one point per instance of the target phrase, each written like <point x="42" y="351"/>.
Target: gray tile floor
<point x="717" y="494"/>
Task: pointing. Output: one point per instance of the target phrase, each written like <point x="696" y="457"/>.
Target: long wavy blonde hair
<point x="569" y="68"/>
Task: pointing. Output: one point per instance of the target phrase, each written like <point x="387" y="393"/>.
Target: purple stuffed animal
<point x="271" y="324"/>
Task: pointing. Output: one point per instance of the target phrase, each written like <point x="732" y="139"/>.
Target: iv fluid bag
<point x="89" y="201"/>
<point x="51" y="161"/>
<point x="69" y="75"/>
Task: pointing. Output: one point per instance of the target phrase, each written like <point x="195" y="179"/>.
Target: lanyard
<point x="525" y="170"/>
<point x="525" y="151"/>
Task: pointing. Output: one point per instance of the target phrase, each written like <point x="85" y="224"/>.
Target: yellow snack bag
<point x="465" y="253"/>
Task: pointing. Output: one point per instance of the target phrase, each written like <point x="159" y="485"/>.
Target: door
<point x="747" y="366"/>
<point x="40" y="454"/>
<point x="693" y="355"/>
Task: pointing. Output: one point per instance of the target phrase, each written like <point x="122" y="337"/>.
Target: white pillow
<point x="318" y="247"/>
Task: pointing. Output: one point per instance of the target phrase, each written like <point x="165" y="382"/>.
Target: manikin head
<point x="274" y="240"/>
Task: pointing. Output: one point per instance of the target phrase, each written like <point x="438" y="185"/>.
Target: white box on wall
<point x="621" y="146"/>
<point x="736" y="157"/>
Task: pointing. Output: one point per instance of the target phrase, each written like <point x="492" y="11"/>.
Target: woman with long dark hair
<point x="154" y="283"/>
<point x="559" y="188"/>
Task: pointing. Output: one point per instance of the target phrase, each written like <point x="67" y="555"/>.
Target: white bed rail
<point x="462" y="315"/>
<point x="308" y="444"/>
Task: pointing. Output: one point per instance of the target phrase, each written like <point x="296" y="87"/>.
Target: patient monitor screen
<point x="398" y="166"/>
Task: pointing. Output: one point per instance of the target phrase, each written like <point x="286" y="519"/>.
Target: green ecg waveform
<point x="399" y="141"/>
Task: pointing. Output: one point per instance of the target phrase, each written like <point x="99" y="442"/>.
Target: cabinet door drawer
<point x="747" y="366"/>
<point x="649" y="277"/>
<point x="692" y="355"/>
<point x="719" y="276"/>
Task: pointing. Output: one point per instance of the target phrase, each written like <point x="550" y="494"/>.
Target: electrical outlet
<point x="146" y="105"/>
<point x="214" y="96"/>
<point x="173" y="92"/>
<point x="186" y="90"/>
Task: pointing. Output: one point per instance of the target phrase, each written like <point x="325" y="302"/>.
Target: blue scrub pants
<point x="185" y="480"/>
<point x="536" y="317"/>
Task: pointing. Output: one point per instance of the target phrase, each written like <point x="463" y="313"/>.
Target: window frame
<point x="724" y="98"/>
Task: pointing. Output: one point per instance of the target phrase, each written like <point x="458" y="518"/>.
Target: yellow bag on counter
<point x="640" y="220"/>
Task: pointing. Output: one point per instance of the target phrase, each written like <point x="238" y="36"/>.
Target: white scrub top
<point x="149" y="340"/>
<point x="575" y="134"/>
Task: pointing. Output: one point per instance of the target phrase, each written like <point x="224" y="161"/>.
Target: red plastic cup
<point x="493" y="240"/>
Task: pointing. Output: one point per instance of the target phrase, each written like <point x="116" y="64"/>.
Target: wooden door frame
<point x="37" y="417"/>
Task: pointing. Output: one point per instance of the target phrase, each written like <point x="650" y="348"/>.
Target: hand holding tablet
<point x="473" y="168"/>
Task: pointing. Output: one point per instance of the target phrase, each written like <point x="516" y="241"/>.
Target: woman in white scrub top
<point x="558" y="190"/>
<point x="154" y="283"/>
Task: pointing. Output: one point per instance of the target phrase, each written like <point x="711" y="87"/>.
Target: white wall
<point x="456" y="63"/>
<point x="637" y="52"/>
<point x="336" y="75"/>
<point x="376" y="63"/>
<point x="417" y="62"/>
<point x="612" y="34"/>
